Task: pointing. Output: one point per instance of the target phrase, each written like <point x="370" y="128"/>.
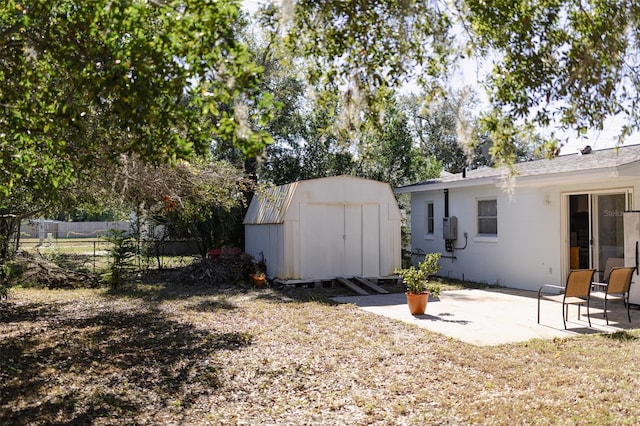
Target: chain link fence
<point x="150" y="254"/>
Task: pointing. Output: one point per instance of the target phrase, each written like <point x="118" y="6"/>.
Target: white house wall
<point x="530" y="248"/>
<point x="522" y="259"/>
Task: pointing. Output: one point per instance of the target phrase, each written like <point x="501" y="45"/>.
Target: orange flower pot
<point x="258" y="280"/>
<point x="417" y="302"/>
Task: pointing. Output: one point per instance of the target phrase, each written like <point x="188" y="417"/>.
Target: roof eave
<point x="565" y="178"/>
<point x="581" y="176"/>
<point x="436" y="185"/>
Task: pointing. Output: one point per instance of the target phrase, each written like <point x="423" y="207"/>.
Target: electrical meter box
<point x="450" y="228"/>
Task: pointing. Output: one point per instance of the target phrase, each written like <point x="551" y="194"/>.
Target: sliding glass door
<point x="595" y="228"/>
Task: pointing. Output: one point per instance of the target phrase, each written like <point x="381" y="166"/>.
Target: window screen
<point x="488" y="217"/>
<point x="429" y="217"/>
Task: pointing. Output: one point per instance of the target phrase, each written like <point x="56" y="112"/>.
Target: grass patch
<point x="163" y="353"/>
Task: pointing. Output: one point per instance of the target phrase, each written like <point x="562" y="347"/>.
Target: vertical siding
<point x="390" y="241"/>
<point x="267" y="241"/>
<point x="372" y="250"/>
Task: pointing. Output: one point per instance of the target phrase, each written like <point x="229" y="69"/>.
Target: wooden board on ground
<point x="352" y="286"/>
<point x="365" y="282"/>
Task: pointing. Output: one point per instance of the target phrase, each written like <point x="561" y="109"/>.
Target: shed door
<point x="340" y="240"/>
<point x="370" y="240"/>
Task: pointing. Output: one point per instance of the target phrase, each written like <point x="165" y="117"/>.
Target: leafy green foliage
<point x="96" y="83"/>
<point x="363" y="48"/>
<point x="199" y="199"/>
<point x="307" y="150"/>
<point x="310" y="146"/>
<point x="86" y="82"/>
<point x="446" y="129"/>
<point x="392" y="156"/>
<point x="450" y="129"/>
<point x="556" y="64"/>
<point x="417" y="279"/>
<point x="567" y="63"/>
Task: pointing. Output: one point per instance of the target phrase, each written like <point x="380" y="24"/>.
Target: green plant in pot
<point x="417" y="283"/>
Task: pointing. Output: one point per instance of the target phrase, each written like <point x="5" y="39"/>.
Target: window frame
<point x="486" y="217"/>
<point x="429" y="219"/>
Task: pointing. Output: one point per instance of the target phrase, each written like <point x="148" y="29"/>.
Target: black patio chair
<point x="616" y="289"/>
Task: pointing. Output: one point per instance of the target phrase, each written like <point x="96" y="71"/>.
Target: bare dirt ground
<point x="164" y="353"/>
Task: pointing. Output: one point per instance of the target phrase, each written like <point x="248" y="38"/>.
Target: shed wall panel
<point x="322" y="242"/>
<point x="390" y="241"/>
<point x="371" y="248"/>
<point x="266" y="241"/>
<point x="353" y="233"/>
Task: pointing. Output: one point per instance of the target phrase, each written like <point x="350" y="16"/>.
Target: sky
<point x="470" y="74"/>
<point x="251" y="5"/>
<point x="600" y="139"/>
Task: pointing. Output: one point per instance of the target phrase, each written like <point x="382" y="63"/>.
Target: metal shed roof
<point x="271" y="206"/>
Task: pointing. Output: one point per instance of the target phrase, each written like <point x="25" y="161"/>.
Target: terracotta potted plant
<point x="258" y="279"/>
<point x="417" y="283"/>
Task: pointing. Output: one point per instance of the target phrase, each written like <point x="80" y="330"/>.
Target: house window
<point x="428" y="214"/>
<point x="488" y="217"/>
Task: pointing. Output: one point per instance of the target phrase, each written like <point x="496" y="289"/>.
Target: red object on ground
<point x="223" y="251"/>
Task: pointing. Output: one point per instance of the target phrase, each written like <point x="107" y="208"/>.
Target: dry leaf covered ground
<point x="180" y="354"/>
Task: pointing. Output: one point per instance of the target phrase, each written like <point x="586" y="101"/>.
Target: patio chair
<point x="609" y="264"/>
<point x="616" y="289"/>
<point x="576" y="292"/>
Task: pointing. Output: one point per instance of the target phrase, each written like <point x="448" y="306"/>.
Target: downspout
<point x="446" y="203"/>
<point x="448" y="243"/>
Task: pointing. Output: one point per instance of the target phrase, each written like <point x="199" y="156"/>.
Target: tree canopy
<point x="198" y="200"/>
<point x="569" y="64"/>
<point x="89" y="83"/>
<point x="83" y="82"/>
<point x="557" y="64"/>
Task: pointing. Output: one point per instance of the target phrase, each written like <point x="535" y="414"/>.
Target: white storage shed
<point x="341" y="226"/>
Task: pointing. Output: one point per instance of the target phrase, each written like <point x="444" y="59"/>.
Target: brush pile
<point x="220" y="271"/>
<point x="33" y="270"/>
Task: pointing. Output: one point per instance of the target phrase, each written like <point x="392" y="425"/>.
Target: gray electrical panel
<point x="450" y="228"/>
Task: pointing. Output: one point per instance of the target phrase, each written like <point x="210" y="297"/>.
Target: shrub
<point x="417" y="279"/>
<point x="122" y="250"/>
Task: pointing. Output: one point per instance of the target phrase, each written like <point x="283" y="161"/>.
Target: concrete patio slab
<point x="496" y="316"/>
